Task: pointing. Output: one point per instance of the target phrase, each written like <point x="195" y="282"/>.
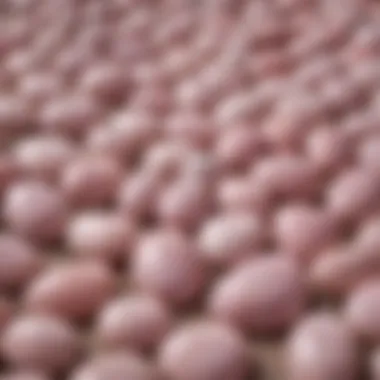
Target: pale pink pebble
<point x="237" y="147"/>
<point x="221" y="78"/>
<point x="339" y="269"/>
<point x="204" y="350"/>
<point x="286" y="175"/>
<point x="91" y="180"/>
<point x="39" y="87"/>
<point x="340" y="95"/>
<point x="166" y="264"/>
<point x="362" y="310"/>
<point x="245" y="298"/>
<point x="292" y="120"/>
<point x="106" y="140"/>
<point x="180" y="62"/>
<point x="321" y="347"/>
<point x="311" y="40"/>
<point x="238" y="194"/>
<point x="137" y="195"/>
<point x="40" y="342"/>
<point x="191" y="94"/>
<point x="366" y="43"/>
<point x="136" y="129"/>
<point x="137" y="321"/>
<point x="43" y="157"/>
<point x="35" y="210"/>
<point x="21" y="61"/>
<point x="327" y="147"/>
<point x="229" y="238"/>
<point x="100" y="234"/>
<point x="248" y="107"/>
<point x="244" y="107"/>
<point x="353" y="193"/>
<point x="105" y="81"/>
<point x="19" y="261"/>
<point x="71" y="116"/>
<point x="184" y="203"/>
<point x="74" y="290"/>
<point x="165" y="160"/>
<point x="16" y="116"/>
<point x="302" y="231"/>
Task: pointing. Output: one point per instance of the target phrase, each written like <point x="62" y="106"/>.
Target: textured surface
<point x="178" y="173"/>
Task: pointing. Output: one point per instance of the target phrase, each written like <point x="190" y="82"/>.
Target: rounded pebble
<point x="286" y="176"/>
<point x="229" y="238"/>
<point x="74" y="290"/>
<point x="322" y="347"/>
<point x="100" y="234"/>
<point x="69" y="116"/>
<point x="35" y="210"/>
<point x="204" y="350"/>
<point x="238" y="194"/>
<point x="352" y="194"/>
<point x="133" y="130"/>
<point x="237" y="148"/>
<point x="327" y="148"/>
<point x="339" y="269"/>
<point x="138" y="194"/>
<point x="105" y="81"/>
<point x="19" y="261"/>
<point x="43" y="157"/>
<point x="40" y="342"/>
<point x="91" y="180"/>
<point x="39" y="87"/>
<point x="155" y="254"/>
<point x="245" y="298"/>
<point x="184" y="203"/>
<point x="302" y="231"/>
<point x="362" y="307"/>
<point x="137" y="321"/>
